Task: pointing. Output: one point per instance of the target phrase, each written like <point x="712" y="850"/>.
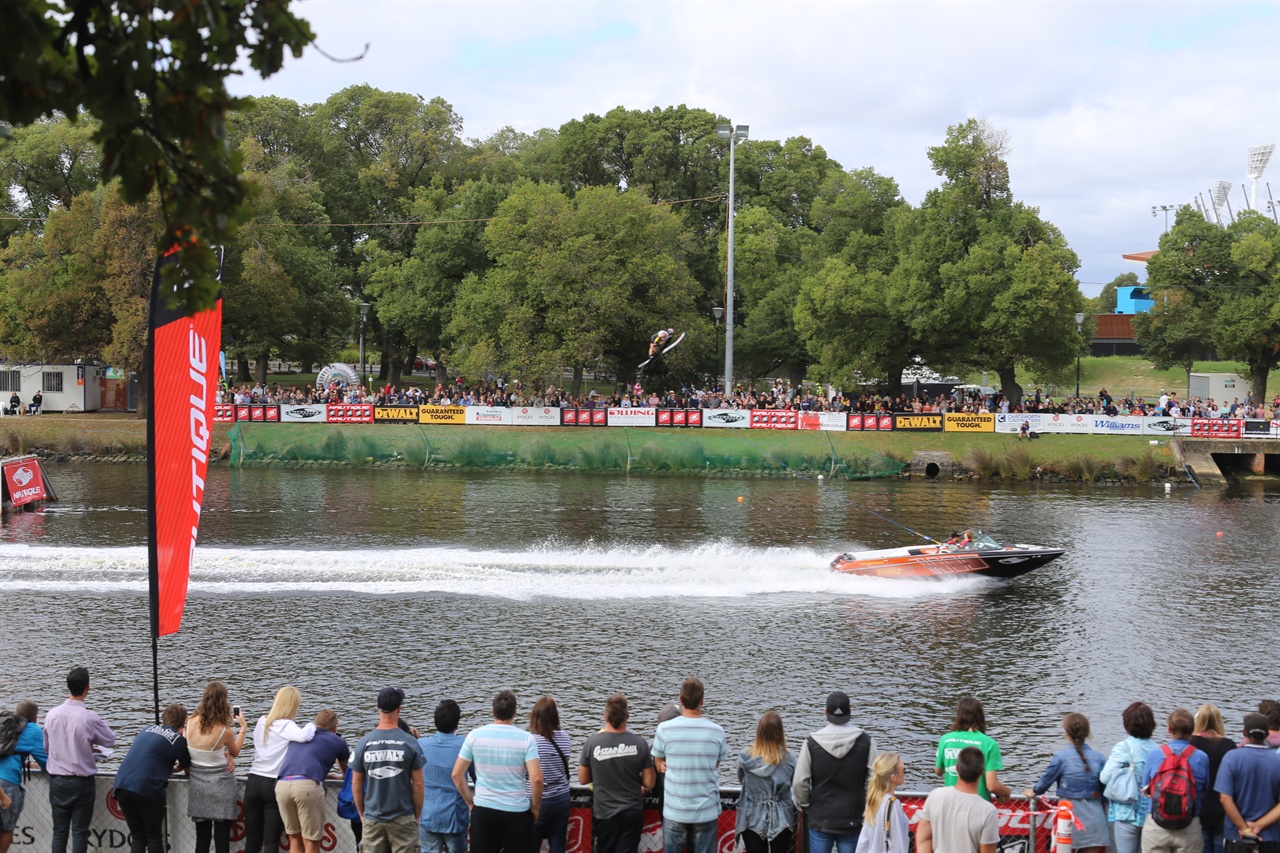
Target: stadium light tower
<point x="734" y="135"/>
<point x="1255" y="165"/>
<point x="1220" y="191"/>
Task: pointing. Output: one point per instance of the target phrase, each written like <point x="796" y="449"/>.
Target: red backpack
<point x="1173" y="790"/>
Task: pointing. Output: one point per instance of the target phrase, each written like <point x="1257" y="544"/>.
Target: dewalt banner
<point x="396" y="414"/>
<point x="925" y="423"/>
<point x="985" y="422"/>
<point x="442" y="414"/>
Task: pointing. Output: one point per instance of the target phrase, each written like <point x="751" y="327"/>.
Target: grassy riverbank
<point x="640" y="451"/>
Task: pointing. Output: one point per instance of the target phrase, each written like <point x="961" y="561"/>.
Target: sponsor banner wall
<point x="774" y="419"/>
<point x="726" y="419"/>
<point x="954" y="422"/>
<point x="224" y="414"/>
<point x="829" y="421"/>
<point x="680" y="417"/>
<point x="919" y="422"/>
<point x="273" y="414"/>
<point x="875" y="422"/>
<point x="539" y="416"/>
<point x="350" y="413"/>
<point x="632" y="417"/>
<point x="303" y="414"/>
<point x="491" y="415"/>
<point x="1261" y="429"/>
<point x="242" y="413"/>
<point x="1119" y="425"/>
<point x="693" y="418"/>
<point x="1217" y="427"/>
<point x="442" y="414"/>
<point x="395" y="414"/>
<point x="1166" y="426"/>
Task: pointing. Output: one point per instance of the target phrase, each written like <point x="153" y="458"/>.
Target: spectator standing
<point x="956" y="818"/>
<point x="28" y="744"/>
<point x="1130" y="755"/>
<point x="272" y="735"/>
<point x="503" y="808"/>
<point x="445" y="816"/>
<point x="300" y="788"/>
<point x="1076" y="770"/>
<point x="1270" y="709"/>
<point x="1210" y="738"/>
<point x="970" y="729"/>
<point x="386" y="781"/>
<point x="766" y="820"/>
<point x="618" y="765"/>
<point x="1161" y="839"/>
<point x="212" y="794"/>
<point x="831" y="775"/>
<point x="687" y="749"/>
<point x="884" y="822"/>
<point x="1249" y="785"/>
<point x="553" y="756"/>
<point x="143" y="778"/>
<point x="72" y="733"/>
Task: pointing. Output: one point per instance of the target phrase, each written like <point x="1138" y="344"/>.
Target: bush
<point x="1017" y="464"/>
<point x="602" y="457"/>
<point x="981" y="461"/>
<point x="544" y="452"/>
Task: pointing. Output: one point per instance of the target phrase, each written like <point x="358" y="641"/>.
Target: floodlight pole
<point x="733" y="135"/>
<point x="1166" y="208"/>
<point x="1079" y="324"/>
<point x="1255" y="165"/>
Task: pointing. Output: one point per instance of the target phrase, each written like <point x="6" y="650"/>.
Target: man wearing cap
<point x="1249" y="784"/>
<point x="688" y="749"/>
<point x="830" y="782"/>
<point x="508" y="793"/>
<point x="386" y="781"/>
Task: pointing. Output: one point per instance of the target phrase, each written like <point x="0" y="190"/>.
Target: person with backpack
<point x="1175" y="777"/>
<point x="1129" y="757"/>
<point x="20" y="739"/>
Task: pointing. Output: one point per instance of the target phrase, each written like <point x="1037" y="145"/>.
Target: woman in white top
<point x="271" y="736"/>
<point x="212" y="794"/>
<point x="884" y="823"/>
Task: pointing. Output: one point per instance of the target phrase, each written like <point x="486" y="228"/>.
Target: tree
<point x="47" y="164"/>
<point x="1172" y="333"/>
<point x="152" y="73"/>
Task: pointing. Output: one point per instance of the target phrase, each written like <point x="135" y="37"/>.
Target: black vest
<point x="838" y="788"/>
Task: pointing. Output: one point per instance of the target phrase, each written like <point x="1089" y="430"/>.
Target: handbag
<point x="1123" y="787"/>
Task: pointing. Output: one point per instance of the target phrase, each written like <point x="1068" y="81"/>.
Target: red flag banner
<point x="183" y="365"/>
<point x="24" y="480"/>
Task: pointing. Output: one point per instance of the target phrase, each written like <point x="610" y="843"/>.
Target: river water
<point x="458" y="585"/>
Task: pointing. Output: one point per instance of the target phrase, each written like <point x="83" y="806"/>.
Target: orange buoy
<point x="740" y="499"/>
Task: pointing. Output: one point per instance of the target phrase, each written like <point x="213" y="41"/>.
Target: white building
<point x="63" y="387"/>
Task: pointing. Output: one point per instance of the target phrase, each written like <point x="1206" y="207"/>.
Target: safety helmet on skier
<point x="671" y="331"/>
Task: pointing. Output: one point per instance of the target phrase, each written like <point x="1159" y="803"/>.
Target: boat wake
<point x="551" y="569"/>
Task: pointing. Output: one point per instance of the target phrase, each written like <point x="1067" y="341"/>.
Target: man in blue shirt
<point x="688" y="749"/>
<point x="300" y="789"/>
<point x="1249" y="784"/>
<point x="445" y="816"/>
<point x="30" y="745"/>
<point x="1159" y="839"/>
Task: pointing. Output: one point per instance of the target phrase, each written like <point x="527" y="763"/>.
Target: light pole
<point x="1079" y="324"/>
<point x="734" y="135"/>
<point x="364" y="369"/>
<point x="718" y="313"/>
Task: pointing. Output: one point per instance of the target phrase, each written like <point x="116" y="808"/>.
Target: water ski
<point x="668" y="349"/>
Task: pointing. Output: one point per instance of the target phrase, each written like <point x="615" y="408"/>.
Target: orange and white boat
<point x="983" y="555"/>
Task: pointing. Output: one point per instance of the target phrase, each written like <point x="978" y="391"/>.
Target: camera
<point x="235" y="710"/>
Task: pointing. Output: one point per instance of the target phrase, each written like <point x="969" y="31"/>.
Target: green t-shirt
<point x="949" y="751"/>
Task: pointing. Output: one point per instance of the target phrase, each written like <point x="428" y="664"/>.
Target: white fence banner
<point x="1119" y="425"/>
<point x="726" y="418"/>
<point x="491" y="415"/>
<point x="831" y="421"/>
<point x="633" y="417"/>
<point x="1166" y="426"/>
<point x="531" y="416"/>
<point x="304" y="414"/>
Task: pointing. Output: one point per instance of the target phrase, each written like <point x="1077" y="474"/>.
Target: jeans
<point x="552" y="824"/>
<point x="1212" y="837"/>
<point x="620" y="833"/>
<point x="1128" y="836"/>
<point x="262" y="821"/>
<point x="822" y="842"/>
<point x="71" y="805"/>
<point x="442" y="842"/>
<point x="699" y="837"/>
<point x="145" y="818"/>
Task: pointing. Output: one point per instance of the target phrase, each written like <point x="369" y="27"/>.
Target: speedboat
<point x="982" y="555"/>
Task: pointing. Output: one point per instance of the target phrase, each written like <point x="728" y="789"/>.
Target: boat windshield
<point x="982" y="541"/>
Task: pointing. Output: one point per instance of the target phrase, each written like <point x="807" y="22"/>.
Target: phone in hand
<point x="235" y="710"/>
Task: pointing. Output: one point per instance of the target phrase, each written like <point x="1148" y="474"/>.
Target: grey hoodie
<point x="835" y="739"/>
<point x="765" y="806"/>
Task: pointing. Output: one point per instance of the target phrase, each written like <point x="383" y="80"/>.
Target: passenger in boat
<point x="967" y="541"/>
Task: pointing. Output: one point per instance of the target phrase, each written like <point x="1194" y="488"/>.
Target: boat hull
<point x="932" y="562"/>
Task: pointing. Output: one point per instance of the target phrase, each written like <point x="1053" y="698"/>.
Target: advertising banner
<point x="242" y="413"/>
<point x="258" y="413"/>
<point x="855" y="422"/>
<point x="349" y="413"/>
<point x="535" y="416"/>
<point x="726" y="418"/>
<point x="1166" y="426"/>
<point x="1119" y="425"/>
<point x="873" y="422"/>
<point x="918" y="423"/>
<point x="953" y="422"/>
<point x="1261" y="429"/>
<point x="569" y="417"/>
<point x="679" y="417"/>
<point x="24" y="480"/>
<point x="693" y="418"/>
<point x="395" y="414"/>
<point x="303" y="414"/>
<point x="273" y="414"/>
<point x="774" y="419"/>
<point x="442" y="414"/>
<point x="1216" y="427"/>
<point x="491" y="415"/>
<point x="829" y="421"/>
<point x="599" y="417"/>
<point x="224" y="414"/>
<point x="633" y="417"/>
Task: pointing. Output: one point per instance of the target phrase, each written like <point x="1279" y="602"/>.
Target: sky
<point x="1111" y="107"/>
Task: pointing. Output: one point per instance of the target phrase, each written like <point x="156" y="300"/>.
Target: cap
<point x="1255" y="726"/>
<point x="838" y="708"/>
<point x="669" y="712"/>
<point x="390" y="699"/>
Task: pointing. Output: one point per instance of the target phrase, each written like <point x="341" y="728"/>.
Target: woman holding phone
<point x="211" y="797"/>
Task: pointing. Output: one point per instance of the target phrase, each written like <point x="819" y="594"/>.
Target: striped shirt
<point x="499" y="752"/>
<point x="555" y="779"/>
<point x="692" y="747"/>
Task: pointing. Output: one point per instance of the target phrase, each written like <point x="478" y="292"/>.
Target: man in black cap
<point x="1248" y="782"/>
<point x="830" y="782"/>
<point x="386" y="781"/>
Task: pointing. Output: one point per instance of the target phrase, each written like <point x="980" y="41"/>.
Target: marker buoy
<point x="1062" y="827"/>
<point x="740" y="499"/>
<point x="819" y="476"/>
<point x="1219" y="534"/>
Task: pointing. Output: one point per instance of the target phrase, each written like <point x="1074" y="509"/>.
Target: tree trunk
<point x="1258" y="374"/>
<point x="384" y="362"/>
<point x="397" y="370"/>
<point x="409" y="359"/>
<point x="242" y="369"/>
<point x="576" y="387"/>
<point x="260" y="374"/>
<point x="1009" y="384"/>
<point x="442" y="374"/>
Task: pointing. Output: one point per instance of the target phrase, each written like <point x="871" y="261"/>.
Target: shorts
<point x="301" y="803"/>
<point x="9" y="816"/>
<point x="398" y="835"/>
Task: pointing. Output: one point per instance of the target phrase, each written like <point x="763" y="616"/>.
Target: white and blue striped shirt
<point x="692" y="747"/>
<point x="499" y="753"/>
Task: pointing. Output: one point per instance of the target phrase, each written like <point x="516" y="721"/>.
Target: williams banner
<point x="182" y="373"/>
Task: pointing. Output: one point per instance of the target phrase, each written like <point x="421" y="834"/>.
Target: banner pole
<point x="153" y="557"/>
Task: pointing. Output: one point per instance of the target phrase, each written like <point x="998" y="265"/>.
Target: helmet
<point x="671" y="331"/>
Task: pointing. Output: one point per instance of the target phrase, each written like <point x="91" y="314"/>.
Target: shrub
<point x="544" y="452"/>
<point x="476" y="452"/>
<point x="1017" y="464"/>
<point x="602" y="457"/>
<point x="981" y="461"/>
